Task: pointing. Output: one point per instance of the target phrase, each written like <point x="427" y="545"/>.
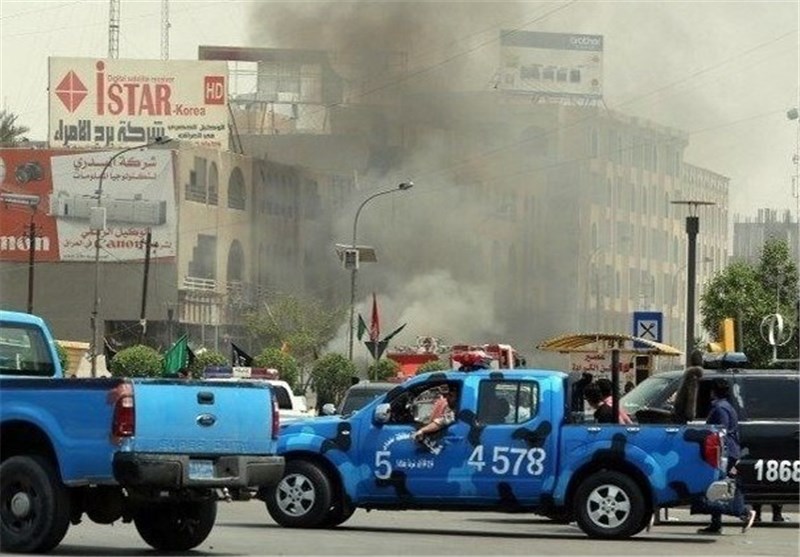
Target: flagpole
<point x="354" y="269"/>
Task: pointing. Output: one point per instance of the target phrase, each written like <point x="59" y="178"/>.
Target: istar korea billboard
<point x="97" y="103"/>
<point x="551" y="64"/>
<point x="138" y="195"/>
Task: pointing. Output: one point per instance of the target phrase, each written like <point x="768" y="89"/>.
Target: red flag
<point x="375" y="326"/>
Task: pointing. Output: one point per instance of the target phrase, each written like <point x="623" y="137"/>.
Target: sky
<point x="725" y="73"/>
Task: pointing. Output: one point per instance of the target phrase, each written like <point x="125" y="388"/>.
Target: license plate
<point x="201" y="469"/>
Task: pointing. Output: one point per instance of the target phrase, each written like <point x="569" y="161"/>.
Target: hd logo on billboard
<point x="135" y="101"/>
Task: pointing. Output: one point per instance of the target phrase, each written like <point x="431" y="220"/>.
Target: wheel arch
<point x="21" y="438"/>
<point x="611" y="464"/>
<point x="328" y="467"/>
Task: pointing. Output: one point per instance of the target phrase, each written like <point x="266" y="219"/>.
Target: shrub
<point x="383" y="370"/>
<point x="331" y="377"/>
<point x="63" y="358"/>
<point x="137" y="361"/>
<point x="433" y="365"/>
<point x="204" y="359"/>
<point x="284" y="363"/>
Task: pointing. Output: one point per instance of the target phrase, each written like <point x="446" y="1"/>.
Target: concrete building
<point x="750" y="233"/>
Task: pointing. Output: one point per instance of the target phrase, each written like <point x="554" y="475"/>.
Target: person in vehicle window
<point x="722" y="413"/>
<point x="603" y="414"/>
<point x="446" y="415"/>
<point x="606" y="388"/>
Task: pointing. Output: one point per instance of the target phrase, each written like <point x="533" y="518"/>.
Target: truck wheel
<point x="176" y="526"/>
<point x="609" y="505"/>
<point x="302" y="498"/>
<point x="338" y="514"/>
<point x="34" y="505"/>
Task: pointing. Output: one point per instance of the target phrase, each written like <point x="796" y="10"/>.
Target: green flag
<point x="388" y="337"/>
<point x="362" y="327"/>
<point x="177" y="357"/>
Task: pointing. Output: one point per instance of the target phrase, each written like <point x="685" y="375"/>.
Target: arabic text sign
<point x="138" y="195"/>
<point x="120" y="103"/>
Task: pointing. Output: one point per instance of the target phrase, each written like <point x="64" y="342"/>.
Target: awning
<point x="594" y="342"/>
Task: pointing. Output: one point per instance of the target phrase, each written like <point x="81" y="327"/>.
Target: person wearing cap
<point x="443" y="413"/>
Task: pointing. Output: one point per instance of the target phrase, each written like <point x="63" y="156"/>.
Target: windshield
<point x="358" y="398"/>
<point x="651" y="393"/>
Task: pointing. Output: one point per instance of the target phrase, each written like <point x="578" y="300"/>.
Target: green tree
<point x="284" y="363"/>
<point x="383" y="369"/>
<point x="331" y="377"/>
<point x="11" y="134"/>
<point x="206" y="358"/>
<point x="136" y="361"/>
<point x="433" y="365"/>
<point x="303" y="325"/>
<point x="748" y="293"/>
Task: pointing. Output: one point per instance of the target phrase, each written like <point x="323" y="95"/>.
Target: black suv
<point x="768" y="402"/>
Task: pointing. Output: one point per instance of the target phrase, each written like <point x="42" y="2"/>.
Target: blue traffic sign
<point x="647" y="325"/>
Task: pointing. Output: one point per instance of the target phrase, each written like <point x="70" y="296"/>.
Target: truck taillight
<point x="712" y="449"/>
<point x="123" y="423"/>
<point x="276" y="420"/>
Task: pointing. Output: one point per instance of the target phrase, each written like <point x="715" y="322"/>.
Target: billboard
<point x="553" y="64"/>
<point x="96" y="103"/>
<point x="137" y="195"/>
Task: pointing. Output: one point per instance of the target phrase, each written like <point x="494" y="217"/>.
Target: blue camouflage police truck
<point x="156" y="452"/>
<point x="519" y="443"/>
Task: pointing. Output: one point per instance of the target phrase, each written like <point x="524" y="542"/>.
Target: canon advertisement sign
<point x="120" y="103"/>
<point x="553" y="64"/>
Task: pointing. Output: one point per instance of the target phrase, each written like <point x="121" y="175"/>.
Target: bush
<point x="331" y="377"/>
<point x="63" y="358"/>
<point x="433" y="365"/>
<point x="137" y="361"/>
<point x="204" y="359"/>
<point x="383" y="370"/>
<point x="284" y="363"/>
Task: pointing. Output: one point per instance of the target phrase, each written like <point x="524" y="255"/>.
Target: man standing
<point x="723" y="414"/>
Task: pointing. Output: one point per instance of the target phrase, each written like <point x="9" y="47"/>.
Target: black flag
<point x="240" y="358"/>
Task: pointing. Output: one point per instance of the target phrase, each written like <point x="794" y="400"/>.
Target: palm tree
<point x="11" y="135"/>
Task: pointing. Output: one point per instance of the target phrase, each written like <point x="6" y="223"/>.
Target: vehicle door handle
<point x="205" y="397"/>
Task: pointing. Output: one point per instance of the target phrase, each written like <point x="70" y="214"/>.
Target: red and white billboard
<point x="120" y="103"/>
<point x="137" y="194"/>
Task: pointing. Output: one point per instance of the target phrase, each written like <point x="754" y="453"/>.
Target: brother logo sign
<point x="586" y="42"/>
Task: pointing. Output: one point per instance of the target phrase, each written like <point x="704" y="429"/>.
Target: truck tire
<point x="34" y="505"/>
<point x="176" y="525"/>
<point x="302" y="498"/>
<point x="609" y="505"/>
<point x="338" y="514"/>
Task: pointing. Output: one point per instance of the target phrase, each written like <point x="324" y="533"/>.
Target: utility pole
<point x="113" y="29"/>
<point x="142" y="319"/>
<point x="692" y="229"/>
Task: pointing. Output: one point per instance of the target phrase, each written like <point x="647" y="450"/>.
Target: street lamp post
<point x="98" y="228"/>
<point x="692" y="228"/>
<point x="354" y="250"/>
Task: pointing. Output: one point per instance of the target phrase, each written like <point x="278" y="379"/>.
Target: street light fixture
<point x="99" y="215"/>
<point x="352" y="255"/>
<point x="31" y="201"/>
<point x="692" y="228"/>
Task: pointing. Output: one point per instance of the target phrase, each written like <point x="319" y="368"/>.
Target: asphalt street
<point x="244" y="528"/>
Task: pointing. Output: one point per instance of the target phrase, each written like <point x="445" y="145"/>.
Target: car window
<point x="771" y="398"/>
<point x="283" y="397"/>
<point x="355" y="399"/>
<point x="23" y="351"/>
<point x="653" y="392"/>
<point x="507" y="402"/>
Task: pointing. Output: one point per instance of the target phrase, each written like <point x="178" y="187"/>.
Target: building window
<point x="236" y="191"/>
<point x="196" y="188"/>
<point x="213" y="184"/>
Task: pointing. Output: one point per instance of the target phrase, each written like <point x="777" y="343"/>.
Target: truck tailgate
<point x="202" y="417"/>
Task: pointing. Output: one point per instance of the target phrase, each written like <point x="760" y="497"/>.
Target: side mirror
<point x="328" y="409"/>
<point x="382" y="413"/>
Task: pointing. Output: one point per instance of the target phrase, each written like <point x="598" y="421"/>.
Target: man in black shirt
<point x="603" y="413"/>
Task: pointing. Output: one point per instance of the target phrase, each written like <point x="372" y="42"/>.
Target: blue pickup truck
<point x="518" y="444"/>
<point x="158" y="452"/>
